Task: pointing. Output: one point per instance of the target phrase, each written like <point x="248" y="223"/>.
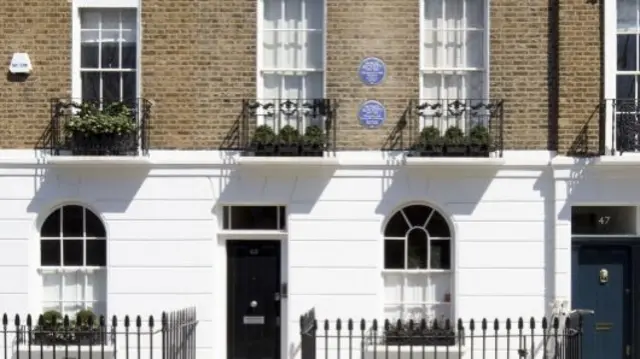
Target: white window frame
<point x="62" y="270"/>
<point x="76" y="7"/>
<point x="428" y="273"/>
<point x="435" y="70"/>
<point x="260" y="70"/>
<point x="610" y="73"/>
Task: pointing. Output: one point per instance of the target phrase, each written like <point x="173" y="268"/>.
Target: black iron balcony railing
<point x="625" y="134"/>
<point x="100" y="128"/>
<point x="455" y="128"/>
<point x="288" y="127"/>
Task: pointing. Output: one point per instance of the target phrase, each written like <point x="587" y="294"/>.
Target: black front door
<point x="601" y="282"/>
<point x="253" y="297"/>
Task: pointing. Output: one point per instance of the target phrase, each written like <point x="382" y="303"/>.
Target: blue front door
<point x="600" y="282"/>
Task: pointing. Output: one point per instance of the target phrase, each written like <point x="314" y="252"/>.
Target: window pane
<point x="283" y="218"/>
<point x="453" y="13"/>
<point x="95" y="228"/>
<point x="73" y="284"/>
<point x="438" y="226"/>
<point x="440" y="288"/>
<point x="292" y="87"/>
<point x="433" y="14"/>
<point x="417" y="253"/>
<point x="417" y="214"/>
<point x="625" y="87"/>
<point x="271" y="13"/>
<point x="475" y="13"/>
<point x="271" y="48"/>
<point x="110" y="19"/>
<point x="292" y="14"/>
<point x="474" y="83"/>
<point x="292" y="47"/>
<point x="51" y="225"/>
<point x="89" y="50"/>
<point x="73" y="252"/>
<point x="432" y="85"/>
<point x="51" y="287"/>
<point x="129" y="90"/>
<point x="72" y="217"/>
<point x="254" y="217"/>
<point x="90" y="86"/>
<point x="314" y="15"/>
<point x="453" y="87"/>
<point x="627" y="60"/>
<point x="454" y="41"/>
<point x="440" y="254"/>
<point x="89" y="19"/>
<point x="50" y="253"/>
<point x="394" y="254"/>
<point x="71" y="309"/>
<point x="96" y="252"/>
<point x="110" y="53"/>
<point x="627" y="14"/>
<point x="313" y="47"/>
<point x="416" y="289"/>
<point x="475" y="49"/>
<point x="129" y="20"/>
<point x="129" y="55"/>
<point x="313" y="85"/>
<point x="97" y="287"/>
<point x="111" y="87"/>
<point x="432" y="48"/>
<point x="397" y="226"/>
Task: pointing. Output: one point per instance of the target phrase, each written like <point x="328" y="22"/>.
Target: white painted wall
<point x="164" y="252"/>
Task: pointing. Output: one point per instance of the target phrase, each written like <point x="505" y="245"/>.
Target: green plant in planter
<point x="454" y="136"/>
<point x="479" y="135"/>
<point x="113" y="119"/>
<point x="86" y="319"/>
<point x="264" y="135"/>
<point x="313" y="136"/>
<point x="51" y="320"/>
<point x="430" y="136"/>
<point x="288" y="135"/>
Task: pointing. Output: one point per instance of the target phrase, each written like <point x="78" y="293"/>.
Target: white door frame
<point x="220" y="286"/>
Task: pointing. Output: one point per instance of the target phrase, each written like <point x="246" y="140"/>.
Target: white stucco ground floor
<point x="360" y="236"/>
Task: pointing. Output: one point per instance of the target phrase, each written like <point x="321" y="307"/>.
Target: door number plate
<point x="253" y="320"/>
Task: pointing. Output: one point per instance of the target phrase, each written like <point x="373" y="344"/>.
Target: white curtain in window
<point x="417" y="295"/>
<point x="292" y="49"/>
<point x="454" y="49"/>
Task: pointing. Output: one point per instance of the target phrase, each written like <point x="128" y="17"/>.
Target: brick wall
<point x="43" y="30"/>
<point x="580" y="81"/>
<point x="199" y="62"/>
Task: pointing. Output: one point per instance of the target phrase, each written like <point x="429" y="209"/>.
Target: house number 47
<point x="604" y="220"/>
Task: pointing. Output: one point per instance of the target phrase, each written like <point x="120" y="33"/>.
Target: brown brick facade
<point x="199" y="60"/>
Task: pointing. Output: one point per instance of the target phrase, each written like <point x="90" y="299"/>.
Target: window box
<point x="404" y="335"/>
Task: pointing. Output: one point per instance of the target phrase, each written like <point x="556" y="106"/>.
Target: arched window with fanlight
<point x="73" y="259"/>
<point x="417" y="264"/>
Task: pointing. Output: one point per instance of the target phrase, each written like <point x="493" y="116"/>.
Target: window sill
<point x="411" y="351"/>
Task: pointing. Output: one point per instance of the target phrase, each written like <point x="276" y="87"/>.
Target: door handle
<point x="582" y="311"/>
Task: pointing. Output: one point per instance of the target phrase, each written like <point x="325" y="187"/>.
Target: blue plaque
<point x="372" y="114"/>
<point x="372" y="71"/>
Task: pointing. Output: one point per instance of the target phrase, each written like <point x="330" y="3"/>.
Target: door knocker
<point x="604" y="276"/>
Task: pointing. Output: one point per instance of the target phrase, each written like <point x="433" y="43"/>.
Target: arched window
<point x="73" y="257"/>
<point x="417" y="264"/>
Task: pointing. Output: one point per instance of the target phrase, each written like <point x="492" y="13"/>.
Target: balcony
<point x="625" y="134"/>
<point x="455" y="128"/>
<point x="287" y="128"/>
<point x="99" y="128"/>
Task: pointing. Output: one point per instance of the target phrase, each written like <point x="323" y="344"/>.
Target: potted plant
<point x="101" y="131"/>
<point x="48" y="330"/>
<point x="264" y="141"/>
<point x="288" y="141"/>
<point x="430" y="142"/>
<point x="313" y="141"/>
<point x="454" y="141"/>
<point x="87" y="330"/>
<point x="419" y="333"/>
<point x="479" y="141"/>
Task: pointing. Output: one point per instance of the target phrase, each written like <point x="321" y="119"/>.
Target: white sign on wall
<point x="20" y="63"/>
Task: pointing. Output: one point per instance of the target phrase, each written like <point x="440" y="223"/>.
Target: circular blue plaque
<point x="372" y="71"/>
<point x="372" y="114"/>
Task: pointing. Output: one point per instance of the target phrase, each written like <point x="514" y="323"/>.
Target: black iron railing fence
<point x="100" y="128"/>
<point x="173" y="336"/>
<point x="626" y="124"/>
<point x="455" y="127"/>
<point x="288" y="127"/>
<point x="508" y="339"/>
